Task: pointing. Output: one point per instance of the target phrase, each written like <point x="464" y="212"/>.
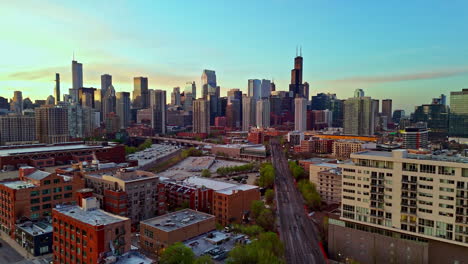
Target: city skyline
<point x="345" y="56"/>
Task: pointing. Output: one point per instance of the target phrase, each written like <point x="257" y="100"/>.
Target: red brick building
<point x="34" y="195"/>
<point x="41" y="155"/>
<point x="197" y="198"/>
<point x="316" y="145"/>
<point x="140" y="130"/>
<point x="85" y="234"/>
<point x="220" y="121"/>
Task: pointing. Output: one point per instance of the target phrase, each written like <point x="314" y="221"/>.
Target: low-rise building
<point x="162" y="231"/>
<point x="128" y="192"/>
<point x="33" y="196"/>
<point x="316" y="145"/>
<point x="35" y="238"/>
<point x="342" y="149"/>
<point x="87" y="234"/>
<point x="327" y="179"/>
<point x="240" y="151"/>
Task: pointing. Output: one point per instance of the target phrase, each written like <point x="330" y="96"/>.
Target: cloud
<point x="437" y="74"/>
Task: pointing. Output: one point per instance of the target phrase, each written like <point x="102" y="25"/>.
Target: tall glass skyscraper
<point x="458" y="123"/>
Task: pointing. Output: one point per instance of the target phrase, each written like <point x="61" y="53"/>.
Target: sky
<point x="409" y="51"/>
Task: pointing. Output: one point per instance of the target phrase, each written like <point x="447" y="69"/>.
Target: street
<point x="8" y="254"/>
<point x="297" y="231"/>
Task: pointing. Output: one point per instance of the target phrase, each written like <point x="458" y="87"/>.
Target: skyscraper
<point x="190" y="95"/>
<point x="175" y="96"/>
<point x="158" y="106"/>
<point x="300" y="114"/>
<point x="209" y="86"/>
<point x="86" y="96"/>
<point x="358" y="93"/>
<point x="108" y="102"/>
<point x="254" y="88"/>
<point x="140" y="93"/>
<point x="459" y="114"/>
<point x="233" y="113"/>
<point x="51" y="124"/>
<point x="296" y="86"/>
<point x="249" y="107"/>
<point x="387" y="108"/>
<point x="57" y="88"/>
<point x="106" y="81"/>
<point x="359" y="116"/>
<point x="265" y="90"/>
<point x="263" y="113"/>
<point x="306" y="90"/>
<point x="77" y="80"/>
<point x="17" y="129"/>
<point x="123" y="108"/>
<point x="17" y="102"/>
<point x="201" y="116"/>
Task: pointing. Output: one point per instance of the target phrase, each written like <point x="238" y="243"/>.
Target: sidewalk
<point x="22" y="251"/>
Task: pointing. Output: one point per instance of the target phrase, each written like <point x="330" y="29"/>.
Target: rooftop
<point x="219" y="186"/>
<point x="441" y="157"/>
<point x="94" y="217"/>
<point x="173" y="221"/>
<point x="17" y="185"/>
<point x="216" y="244"/>
<point x="34" y="229"/>
<point x="19" y="151"/>
<point x="133" y="257"/>
<point x="38" y="175"/>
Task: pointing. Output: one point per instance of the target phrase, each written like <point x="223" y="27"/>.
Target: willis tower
<point x="296" y="86"/>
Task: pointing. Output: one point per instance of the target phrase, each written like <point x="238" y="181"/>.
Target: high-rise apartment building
<point x="17" y="130"/>
<point x="254" y="88"/>
<point x="300" y="114"/>
<point x="123" y="108"/>
<point x="81" y="121"/>
<point x="190" y="94"/>
<point x="263" y="113"/>
<point x="140" y="93"/>
<point x="358" y="93"/>
<point x="201" y="116"/>
<point x="359" y="116"/>
<point x="415" y="138"/>
<point x="387" y="109"/>
<point x="108" y="102"/>
<point x="158" y="105"/>
<point x="17" y="102"/>
<point x="405" y="197"/>
<point x="249" y="110"/>
<point x="51" y="124"/>
<point x="57" y="88"/>
<point x="77" y="80"/>
<point x="459" y="114"/>
<point x="233" y="113"/>
<point x="106" y="82"/>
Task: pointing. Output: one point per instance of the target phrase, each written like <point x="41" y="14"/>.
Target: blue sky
<point x="410" y="51"/>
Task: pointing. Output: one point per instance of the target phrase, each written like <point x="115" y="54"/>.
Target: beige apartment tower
<point x="201" y="116"/>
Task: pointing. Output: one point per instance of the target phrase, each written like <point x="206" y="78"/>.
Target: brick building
<point x="342" y="149"/>
<point x="128" y="192"/>
<point x="179" y="194"/>
<point x="34" y="195"/>
<point x="316" y="145"/>
<point x="87" y="234"/>
<point x="42" y="155"/>
<point x="162" y="231"/>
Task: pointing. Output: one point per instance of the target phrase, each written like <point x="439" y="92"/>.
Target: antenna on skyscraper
<point x="73" y="55"/>
<point x="301" y="51"/>
<point x="296" y="50"/>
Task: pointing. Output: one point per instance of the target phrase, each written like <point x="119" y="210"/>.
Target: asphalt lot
<point x="8" y="254"/>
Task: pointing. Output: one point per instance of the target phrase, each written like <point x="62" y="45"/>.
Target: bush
<point x="309" y="192"/>
<point x="266" y="249"/>
<point x="206" y="173"/>
<point x="267" y="176"/>
<point x="269" y="196"/>
<point x="223" y="171"/>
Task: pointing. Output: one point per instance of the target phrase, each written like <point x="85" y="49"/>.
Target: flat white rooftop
<point x="219" y="186"/>
<point x="173" y="221"/>
<point x="93" y="217"/>
<point x="9" y="152"/>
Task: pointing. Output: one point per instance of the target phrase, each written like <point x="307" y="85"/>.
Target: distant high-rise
<point x="81" y="121"/>
<point x="296" y="86"/>
<point x="108" y="102"/>
<point x="140" y="93"/>
<point x="415" y="138"/>
<point x="51" y="124"/>
<point x="17" y="129"/>
<point x="387" y="108"/>
<point x="273" y="86"/>
<point x="358" y="93"/>
<point x="459" y="114"/>
<point x="254" y="88"/>
<point x="397" y="115"/>
<point x="359" y="116"/>
<point x="306" y="90"/>
<point x="77" y="74"/>
<point x="300" y="114"/>
<point x="86" y="96"/>
<point x="233" y="113"/>
<point x="265" y="90"/>
<point x="57" y="88"/>
<point x="190" y="93"/>
<point x="158" y="105"/>
<point x="4" y="103"/>
<point x="249" y="107"/>
<point x="17" y="102"/>
<point x="123" y="108"/>
<point x="175" y="96"/>
<point x="442" y="99"/>
<point x="201" y="116"/>
<point x="50" y="100"/>
<point x="106" y="82"/>
<point x="263" y="113"/>
<point x="208" y="81"/>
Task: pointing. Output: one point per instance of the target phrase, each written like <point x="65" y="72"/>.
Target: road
<point x="8" y="254"/>
<point x="297" y="231"/>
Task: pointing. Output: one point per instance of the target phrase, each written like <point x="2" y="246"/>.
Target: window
<point x="56" y="181"/>
<point x="67" y="195"/>
<point x="46" y="198"/>
<point x="410" y="167"/>
<point x="35" y="200"/>
<point x="46" y="191"/>
<point x="428" y="168"/>
<point x="46" y="206"/>
<point x="444" y="189"/>
<point x="35" y="208"/>
<point x="46" y="182"/>
<point x="34" y="193"/>
<point x="68" y="188"/>
<point x="446" y="170"/>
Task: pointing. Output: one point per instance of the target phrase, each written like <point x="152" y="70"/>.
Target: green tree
<point x="296" y="170"/>
<point x="203" y="260"/>
<point x="267" y="249"/>
<point x="177" y="253"/>
<point x="206" y="173"/>
<point x="269" y="196"/>
<point x="267" y="176"/>
<point x="256" y="208"/>
<point x="266" y="219"/>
